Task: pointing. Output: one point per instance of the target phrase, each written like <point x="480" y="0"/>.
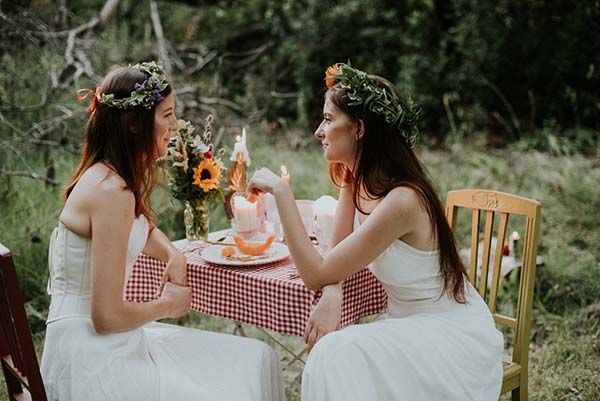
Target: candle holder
<point x="236" y="183"/>
<point x="237" y="176"/>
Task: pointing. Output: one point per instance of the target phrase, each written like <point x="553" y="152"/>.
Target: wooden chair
<point x="17" y="354"/>
<point x="491" y="202"/>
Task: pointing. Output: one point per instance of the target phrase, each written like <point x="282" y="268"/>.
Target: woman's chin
<point x="331" y="158"/>
<point x="161" y="152"/>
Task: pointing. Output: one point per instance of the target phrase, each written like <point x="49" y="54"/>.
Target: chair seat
<point x="511" y="376"/>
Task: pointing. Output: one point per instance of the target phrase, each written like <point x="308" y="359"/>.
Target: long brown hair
<point x="395" y="165"/>
<point x="123" y="139"/>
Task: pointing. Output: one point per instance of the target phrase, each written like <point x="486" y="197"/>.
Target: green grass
<point x="565" y="350"/>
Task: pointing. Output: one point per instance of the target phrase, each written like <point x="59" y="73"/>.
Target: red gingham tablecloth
<point x="264" y="296"/>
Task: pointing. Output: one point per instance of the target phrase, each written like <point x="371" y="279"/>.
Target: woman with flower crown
<point x="99" y="346"/>
<point x="437" y="339"/>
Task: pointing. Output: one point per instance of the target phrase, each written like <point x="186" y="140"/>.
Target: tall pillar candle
<point x="245" y="214"/>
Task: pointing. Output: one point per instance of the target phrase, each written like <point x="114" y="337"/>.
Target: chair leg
<point x="523" y="390"/>
<point x="520" y="393"/>
<point x="12" y="384"/>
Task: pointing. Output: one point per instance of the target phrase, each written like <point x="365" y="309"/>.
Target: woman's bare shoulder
<point x="405" y="199"/>
<point x="98" y="192"/>
<point x="100" y="185"/>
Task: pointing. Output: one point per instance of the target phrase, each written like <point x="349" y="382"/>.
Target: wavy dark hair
<point x="396" y="165"/>
<point x="122" y="139"/>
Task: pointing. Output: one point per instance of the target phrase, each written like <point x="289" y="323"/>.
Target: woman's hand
<point x="177" y="299"/>
<point x="325" y="317"/>
<point x="264" y="180"/>
<point x="176" y="271"/>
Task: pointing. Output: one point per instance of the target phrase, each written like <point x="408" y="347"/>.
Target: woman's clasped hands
<point x="177" y="299"/>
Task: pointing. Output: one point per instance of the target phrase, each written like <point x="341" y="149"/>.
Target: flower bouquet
<point x="194" y="176"/>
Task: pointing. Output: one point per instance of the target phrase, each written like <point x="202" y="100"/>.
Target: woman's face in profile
<point x="165" y="122"/>
<point x="336" y="134"/>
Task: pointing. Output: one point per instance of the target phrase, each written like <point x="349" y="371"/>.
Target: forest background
<point x="510" y="97"/>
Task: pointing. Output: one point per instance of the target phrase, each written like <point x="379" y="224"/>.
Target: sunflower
<point x="207" y="175"/>
<point x="331" y="74"/>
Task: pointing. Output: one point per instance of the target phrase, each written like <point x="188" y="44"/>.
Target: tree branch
<point x="31" y="175"/>
<point x="160" y="38"/>
<point x="201" y="62"/>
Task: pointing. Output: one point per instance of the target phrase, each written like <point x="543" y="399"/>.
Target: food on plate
<point x="228" y="251"/>
<point x="252" y="197"/>
<point x="253" y="247"/>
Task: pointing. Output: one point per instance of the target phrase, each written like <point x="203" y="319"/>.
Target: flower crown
<point x="362" y="89"/>
<point x="147" y="94"/>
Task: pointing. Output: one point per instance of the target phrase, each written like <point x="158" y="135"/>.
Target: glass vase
<point x="196" y="220"/>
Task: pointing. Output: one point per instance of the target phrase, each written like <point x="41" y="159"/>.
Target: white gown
<point x="154" y="362"/>
<point x="425" y="348"/>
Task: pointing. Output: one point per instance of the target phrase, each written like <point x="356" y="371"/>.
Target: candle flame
<point x="238" y="138"/>
<point x="283" y="170"/>
<point x="515" y="235"/>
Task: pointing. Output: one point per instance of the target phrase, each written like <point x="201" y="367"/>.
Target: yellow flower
<point x="331" y="74"/>
<point x="207" y="175"/>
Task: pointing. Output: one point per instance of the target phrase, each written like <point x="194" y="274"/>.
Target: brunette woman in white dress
<point x="99" y="346"/>
<point x="437" y="340"/>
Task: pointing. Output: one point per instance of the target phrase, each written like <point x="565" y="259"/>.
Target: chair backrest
<point x="17" y="354"/>
<point x="503" y="204"/>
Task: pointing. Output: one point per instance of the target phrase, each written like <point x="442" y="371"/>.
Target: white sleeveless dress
<point x="154" y="362"/>
<point x="423" y="348"/>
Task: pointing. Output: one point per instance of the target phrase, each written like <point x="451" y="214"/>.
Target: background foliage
<point x="509" y="90"/>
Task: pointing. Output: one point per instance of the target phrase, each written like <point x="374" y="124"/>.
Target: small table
<point x="269" y="296"/>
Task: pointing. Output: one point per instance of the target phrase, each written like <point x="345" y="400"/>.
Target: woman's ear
<point x="360" y="129"/>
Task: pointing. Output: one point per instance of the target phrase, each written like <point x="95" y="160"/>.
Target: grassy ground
<point x="565" y="349"/>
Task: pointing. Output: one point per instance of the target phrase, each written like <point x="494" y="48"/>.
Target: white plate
<point x="275" y="253"/>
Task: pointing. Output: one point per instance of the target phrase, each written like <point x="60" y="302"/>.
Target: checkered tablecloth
<point x="265" y="296"/>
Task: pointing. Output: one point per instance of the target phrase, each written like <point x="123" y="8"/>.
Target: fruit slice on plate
<point x="228" y="251"/>
<point x="253" y="247"/>
<point x="252" y="197"/>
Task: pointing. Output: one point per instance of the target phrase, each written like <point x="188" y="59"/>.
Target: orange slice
<point x="253" y="247"/>
<point x="228" y="251"/>
<point x="252" y="197"/>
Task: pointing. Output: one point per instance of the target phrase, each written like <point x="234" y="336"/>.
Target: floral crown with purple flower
<point x="147" y="94"/>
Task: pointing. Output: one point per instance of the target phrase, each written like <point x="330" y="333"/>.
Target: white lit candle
<point x="245" y="214"/>
<point x="512" y="243"/>
<point x="240" y="148"/>
<point x="285" y="175"/>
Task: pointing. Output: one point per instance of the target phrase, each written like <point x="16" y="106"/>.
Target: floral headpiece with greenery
<point x="362" y="89"/>
<point x="147" y="94"/>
